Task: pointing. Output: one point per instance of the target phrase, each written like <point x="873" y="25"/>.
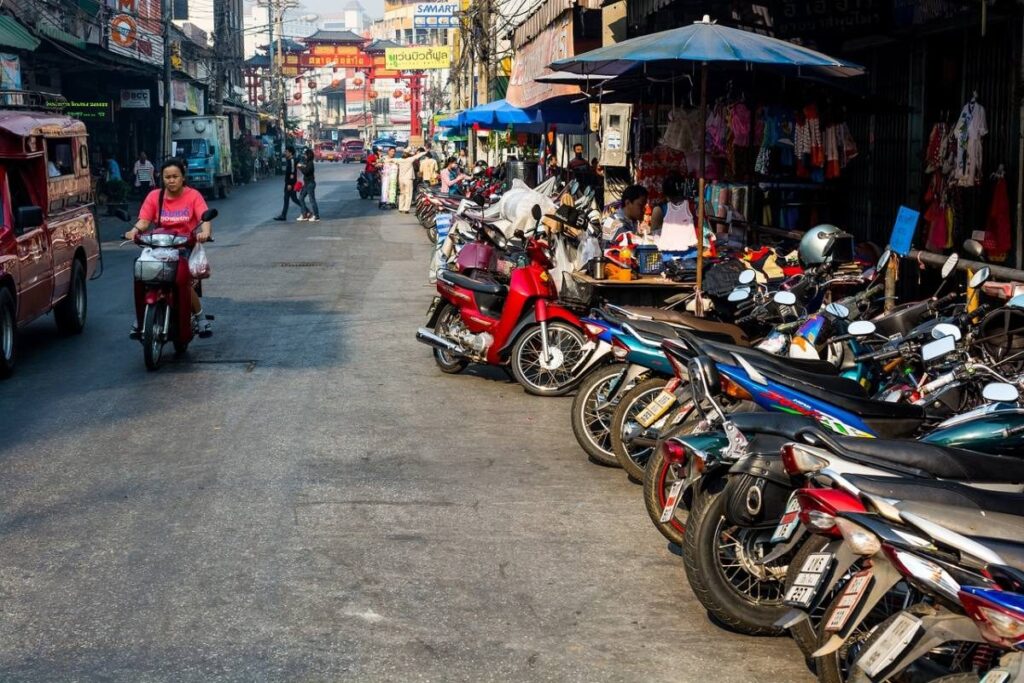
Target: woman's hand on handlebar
<point x="131" y="235"/>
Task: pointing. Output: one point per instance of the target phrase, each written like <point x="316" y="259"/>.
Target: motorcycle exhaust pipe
<point x="429" y="338"/>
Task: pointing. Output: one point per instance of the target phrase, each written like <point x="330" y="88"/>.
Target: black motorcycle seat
<point x="652" y="329"/>
<point x="941" y="462"/>
<point x="949" y="498"/>
<point x="1010" y="550"/>
<point x="458" y="280"/>
<point x="727" y="332"/>
<point x="780" y="424"/>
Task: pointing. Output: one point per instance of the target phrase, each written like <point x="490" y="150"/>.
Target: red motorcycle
<point x="476" y="319"/>
<point x="163" y="292"/>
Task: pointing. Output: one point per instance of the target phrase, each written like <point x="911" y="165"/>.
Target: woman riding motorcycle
<point x="180" y="208"/>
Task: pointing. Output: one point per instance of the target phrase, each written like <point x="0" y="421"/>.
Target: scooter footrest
<point x="205" y="334"/>
<point x="135" y="334"/>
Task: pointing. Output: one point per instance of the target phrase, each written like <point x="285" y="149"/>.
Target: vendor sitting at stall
<point x="629" y="216"/>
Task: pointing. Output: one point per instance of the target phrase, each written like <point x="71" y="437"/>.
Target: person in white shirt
<point x="143" y="172"/>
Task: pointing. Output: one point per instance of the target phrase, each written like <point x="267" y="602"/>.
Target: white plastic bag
<point x="198" y="264"/>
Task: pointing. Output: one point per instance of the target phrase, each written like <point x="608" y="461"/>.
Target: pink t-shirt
<point x="180" y="214"/>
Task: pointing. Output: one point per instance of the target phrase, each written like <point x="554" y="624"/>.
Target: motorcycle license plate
<point x="893" y="641"/>
<point x="996" y="676"/>
<point x="433" y="306"/>
<point x="674" y="494"/>
<point x="807" y="582"/>
<point x="656" y="408"/>
<point x="789" y="522"/>
<point x="848" y="600"/>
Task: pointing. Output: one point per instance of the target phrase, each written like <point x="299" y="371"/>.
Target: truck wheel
<point x="8" y="333"/>
<point x="70" y="312"/>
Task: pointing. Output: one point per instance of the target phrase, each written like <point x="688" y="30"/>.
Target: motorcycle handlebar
<point x="879" y="355"/>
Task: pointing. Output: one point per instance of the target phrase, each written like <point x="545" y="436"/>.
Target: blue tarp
<point x="705" y="42"/>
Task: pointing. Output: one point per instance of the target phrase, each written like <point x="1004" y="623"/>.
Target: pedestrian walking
<point x="143" y="172"/>
<point x="290" y="178"/>
<point x="428" y="169"/>
<point x="310" y="211"/>
<point x="406" y="174"/>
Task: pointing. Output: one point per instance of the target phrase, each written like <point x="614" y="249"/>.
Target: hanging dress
<point x="678" y="231"/>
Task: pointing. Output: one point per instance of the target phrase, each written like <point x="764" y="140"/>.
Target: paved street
<point x="306" y="497"/>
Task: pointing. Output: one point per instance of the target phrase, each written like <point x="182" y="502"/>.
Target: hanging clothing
<point x="998" y="238"/>
<point x="678" y="230"/>
<point x="937" y="216"/>
<point x="968" y="132"/>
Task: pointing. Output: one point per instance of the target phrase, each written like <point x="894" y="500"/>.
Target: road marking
<point x="325" y="238"/>
<point x="369" y="615"/>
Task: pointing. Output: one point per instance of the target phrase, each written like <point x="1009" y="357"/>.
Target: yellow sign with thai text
<point x="417" y="58"/>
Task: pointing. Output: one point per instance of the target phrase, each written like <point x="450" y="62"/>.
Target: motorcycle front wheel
<point x="153" y="335"/>
<point x="551" y="376"/>
<point x="633" y="457"/>
<point x="591" y="414"/>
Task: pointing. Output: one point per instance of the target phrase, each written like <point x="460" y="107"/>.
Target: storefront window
<point x="60" y="160"/>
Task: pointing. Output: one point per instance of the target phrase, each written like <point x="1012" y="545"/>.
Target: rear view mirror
<point x="739" y="294"/>
<point x="946" y="330"/>
<point x="980" y="277"/>
<point x="1000" y="392"/>
<point x="938" y="348"/>
<point x="209" y="215"/>
<point x="26" y="218"/>
<point x="950" y="265"/>
<point x="883" y="260"/>
<point x="747" y="276"/>
<point x="536" y="212"/>
<point x="784" y="298"/>
<point x="861" y="328"/>
<point x="838" y="311"/>
<point x="974" y="248"/>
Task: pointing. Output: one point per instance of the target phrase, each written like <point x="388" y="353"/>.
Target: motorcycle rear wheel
<point x="152" y="329"/>
<point x="566" y="344"/>
<point x="449" y="364"/>
<point x="658" y="480"/>
<point x="590" y="425"/>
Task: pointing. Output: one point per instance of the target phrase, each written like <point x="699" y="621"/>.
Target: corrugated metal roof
<point x="51" y="31"/>
<point x="13" y="34"/>
<point x="334" y="37"/>
<point x="545" y="15"/>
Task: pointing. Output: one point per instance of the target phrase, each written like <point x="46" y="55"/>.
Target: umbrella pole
<point x="700" y="182"/>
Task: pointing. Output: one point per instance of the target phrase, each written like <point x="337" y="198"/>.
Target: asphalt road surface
<point x="306" y="497"/>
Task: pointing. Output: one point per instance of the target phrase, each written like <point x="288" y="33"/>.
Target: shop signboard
<point x="531" y="61"/>
<point x="135" y="98"/>
<point x="436" y="15"/>
<point x="418" y="58"/>
<point x="135" y="30"/>
<point x="187" y="97"/>
<point x="340" y="56"/>
<point x="10" y="71"/>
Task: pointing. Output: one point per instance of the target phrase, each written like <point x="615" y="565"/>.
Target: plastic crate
<point x="648" y="259"/>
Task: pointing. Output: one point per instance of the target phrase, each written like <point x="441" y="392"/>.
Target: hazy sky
<point x="375" y="8"/>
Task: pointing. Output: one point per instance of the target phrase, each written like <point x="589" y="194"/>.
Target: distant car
<point x="353" y="150"/>
<point x="325" y="151"/>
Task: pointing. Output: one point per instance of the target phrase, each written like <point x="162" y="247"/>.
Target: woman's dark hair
<point x="309" y="154"/>
<point x="673" y="185"/>
<point x="451" y="160"/>
<point x="177" y="163"/>
<point x="633" y="193"/>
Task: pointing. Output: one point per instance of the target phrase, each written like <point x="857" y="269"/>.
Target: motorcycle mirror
<point x="838" y="311"/>
<point x="784" y="298"/>
<point x="980" y="277"/>
<point x="861" y="328"/>
<point x="883" y="260"/>
<point x="209" y="215"/>
<point x="974" y="248"/>
<point x="519" y="234"/>
<point x="946" y="330"/>
<point x="938" y="348"/>
<point x="1000" y="392"/>
<point x="950" y="265"/>
<point x="739" y="294"/>
<point x="747" y="276"/>
<point x="536" y="212"/>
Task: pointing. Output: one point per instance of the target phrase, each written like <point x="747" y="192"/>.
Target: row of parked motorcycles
<point x="850" y="475"/>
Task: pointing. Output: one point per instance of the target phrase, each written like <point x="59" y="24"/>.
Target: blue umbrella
<point x="497" y="113"/>
<point x="704" y="42"/>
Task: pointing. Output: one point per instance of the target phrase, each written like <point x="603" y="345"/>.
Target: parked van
<point x="49" y="246"/>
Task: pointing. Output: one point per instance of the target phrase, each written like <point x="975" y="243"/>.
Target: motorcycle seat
<point x="457" y="280"/>
<point x="1011" y="550"/>
<point x="947" y="503"/>
<point x="941" y="462"/>
<point x="688" y="320"/>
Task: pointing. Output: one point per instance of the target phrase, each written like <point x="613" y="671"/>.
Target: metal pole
<point x="700" y="184"/>
<point x="280" y="74"/>
<point x="167" y="76"/>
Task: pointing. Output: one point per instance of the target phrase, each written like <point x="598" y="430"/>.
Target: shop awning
<point x="63" y="36"/>
<point x="14" y="35"/>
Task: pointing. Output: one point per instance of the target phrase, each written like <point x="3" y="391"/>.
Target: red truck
<point x="49" y="246"/>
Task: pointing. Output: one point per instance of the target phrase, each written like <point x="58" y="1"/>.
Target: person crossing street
<point x="290" y="178"/>
<point x="405" y="178"/>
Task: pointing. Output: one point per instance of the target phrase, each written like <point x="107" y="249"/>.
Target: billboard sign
<point x="436" y="15"/>
<point x="417" y="58"/>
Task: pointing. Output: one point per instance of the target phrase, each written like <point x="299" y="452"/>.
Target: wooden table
<point x="644" y="291"/>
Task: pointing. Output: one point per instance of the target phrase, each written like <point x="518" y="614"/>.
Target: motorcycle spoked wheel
<point x="659" y="476"/>
<point x="446" y="320"/>
<point x="153" y="335"/>
<point x="837" y="666"/>
<point x="721" y="569"/>
<point x="590" y="423"/>
<point x="552" y="376"/>
<point x="633" y="458"/>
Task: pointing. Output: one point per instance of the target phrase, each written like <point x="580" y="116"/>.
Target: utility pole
<point x="167" y="76"/>
<point x="219" y="37"/>
<point x="280" y="74"/>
